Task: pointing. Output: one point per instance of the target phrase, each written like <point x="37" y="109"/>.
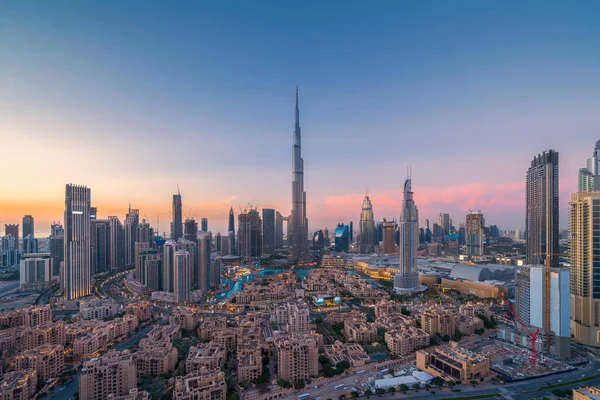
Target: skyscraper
<point x="176" y="222"/>
<point x="231" y="231"/>
<point x="589" y="177"/>
<point x="182" y="276"/>
<point x="541" y="218"/>
<point x="584" y="248"/>
<point x="76" y="280"/>
<point x="132" y="219"/>
<point x="389" y="237"/>
<point x="169" y="249"/>
<point x="249" y="236"/>
<point x="407" y="279"/>
<point x="268" y="230"/>
<point x="299" y="224"/>
<point x="342" y="238"/>
<point x="190" y="229"/>
<point x="368" y="234"/>
<point x="100" y="246"/>
<point x="445" y="223"/>
<point x="278" y="230"/>
<point x="205" y="280"/>
<point x="28" y="226"/>
<point x="117" y="244"/>
<point x="204" y="224"/>
<point x="474" y="234"/>
<point x="13" y="229"/>
<point x="144" y="233"/>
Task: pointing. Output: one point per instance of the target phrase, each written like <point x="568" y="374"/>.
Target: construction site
<point x="514" y="362"/>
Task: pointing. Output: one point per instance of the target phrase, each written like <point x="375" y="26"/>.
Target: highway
<point x="68" y="392"/>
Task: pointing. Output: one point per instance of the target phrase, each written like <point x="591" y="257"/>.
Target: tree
<point x="558" y="392"/>
<point x="379" y="391"/>
<point x="446" y="338"/>
<point x="404" y="311"/>
<point x="437" y="381"/>
<point x="457" y="335"/>
<point x="403" y="387"/>
<point x="354" y="394"/>
<point x="392" y="389"/>
<point x="416" y="386"/>
<point x="368" y="392"/>
<point x="434" y="340"/>
<point x="451" y="383"/>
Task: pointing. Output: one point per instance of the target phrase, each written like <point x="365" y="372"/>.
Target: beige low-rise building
<point x="351" y="352"/>
<point x="249" y="367"/>
<point x="37" y="316"/>
<point x="393" y="321"/>
<point x="406" y="340"/>
<point x="437" y="320"/>
<point x="111" y="374"/>
<point x="134" y="394"/>
<point x="102" y="334"/>
<point x="385" y="307"/>
<point x="226" y="338"/>
<point x="142" y="310"/>
<point x="336" y="317"/>
<point x="474" y="310"/>
<point x="467" y="325"/>
<point x="483" y="290"/>
<point x="454" y="363"/>
<point x="161" y="334"/>
<point x="156" y="359"/>
<point x="360" y="331"/>
<point x="185" y="317"/>
<point x="47" y="360"/>
<point x="53" y="333"/>
<point x="202" y="385"/>
<point x="205" y="355"/>
<point x="297" y="356"/>
<point x="210" y="325"/>
<point x="18" y="385"/>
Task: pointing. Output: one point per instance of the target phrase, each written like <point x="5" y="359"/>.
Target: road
<point x="68" y="392"/>
<point x="523" y="390"/>
<point x="8" y="288"/>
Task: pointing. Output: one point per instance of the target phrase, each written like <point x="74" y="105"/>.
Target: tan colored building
<point x="205" y="355"/>
<point x="202" y="385"/>
<point x="210" y="325"/>
<point x="454" y="363"/>
<point x="404" y="341"/>
<point x="360" y="331"/>
<point x="473" y="310"/>
<point x="586" y="393"/>
<point x="102" y="334"/>
<point x="134" y="394"/>
<point x="156" y="359"/>
<point x="437" y="320"/>
<point x="226" y="338"/>
<point x="297" y="357"/>
<point x="18" y="385"/>
<point x="482" y="290"/>
<point x="142" y="310"/>
<point x="249" y="367"/>
<point x="37" y="316"/>
<point x="389" y="237"/>
<point x="47" y="360"/>
<point x="467" y="325"/>
<point x="186" y="318"/>
<point x="351" y="352"/>
<point x="336" y="317"/>
<point x="161" y="334"/>
<point x="385" y="307"/>
<point x="113" y="373"/>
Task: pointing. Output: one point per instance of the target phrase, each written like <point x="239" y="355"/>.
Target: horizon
<point x="202" y="96"/>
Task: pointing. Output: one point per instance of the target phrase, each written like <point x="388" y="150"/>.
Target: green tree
<point x="379" y="391"/>
<point x="457" y="335"/>
<point x="416" y="386"/>
<point x="403" y="387"/>
<point x="558" y="392"/>
<point x="446" y="338"/>
<point x="354" y="394"/>
<point x="392" y="389"/>
<point x="368" y="392"/>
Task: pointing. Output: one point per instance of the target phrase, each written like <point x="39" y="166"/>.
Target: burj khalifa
<point x="298" y="223"/>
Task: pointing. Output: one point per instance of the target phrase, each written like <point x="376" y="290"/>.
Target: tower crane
<point x="533" y="335"/>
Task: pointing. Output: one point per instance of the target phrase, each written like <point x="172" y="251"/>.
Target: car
<point x="62" y="388"/>
<point x="560" y="381"/>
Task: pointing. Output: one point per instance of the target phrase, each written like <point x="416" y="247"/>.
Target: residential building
<point x="249" y="237"/>
<point x="589" y="177"/>
<point x="474" y="235"/>
<point x="47" y="360"/>
<point x="439" y="321"/>
<point x="202" y="385"/>
<point x="297" y="357"/>
<point x="176" y="221"/>
<point x="205" y="355"/>
<point x="389" y="237"/>
<point x="18" y="385"/>
<point x="342" y="238"/>
<point x="182" y="273"/>
<point x="100" y="246"/>
<point x="454" y="363"/>
<point x="117" y="244"/>
<point x="268" y="230"/>
<point x="111" y="374"/>
<point x="405" y="340"/>
<point x="35" y="268"/>
<point x="142" y="310"/>
<point x="132" y="220"/>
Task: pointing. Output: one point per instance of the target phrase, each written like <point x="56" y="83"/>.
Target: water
<point x="239" y="284"/>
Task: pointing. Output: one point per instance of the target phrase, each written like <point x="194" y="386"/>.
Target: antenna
<point x="178" y="192"/>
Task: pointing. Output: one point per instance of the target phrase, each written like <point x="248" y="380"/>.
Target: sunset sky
<point x="132" y="98"/>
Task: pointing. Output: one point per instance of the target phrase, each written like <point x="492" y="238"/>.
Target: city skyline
<point x="464" y="81"/>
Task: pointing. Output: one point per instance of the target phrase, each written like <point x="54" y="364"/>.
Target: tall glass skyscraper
<point x="368" y="235"/>
<point x="589" y="177"/>
<point x="177" y="221"/>
<point x="407" y="280"/>
<point x="298" y="239"/>
<point x="76" y="279"/>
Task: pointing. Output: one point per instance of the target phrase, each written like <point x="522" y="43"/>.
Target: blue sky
<point x="134" y="97"/>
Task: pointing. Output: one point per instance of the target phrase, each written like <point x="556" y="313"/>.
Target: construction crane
<point x="533" y="335"/>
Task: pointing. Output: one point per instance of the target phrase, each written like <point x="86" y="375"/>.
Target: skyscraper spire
<point x="298" y="222"/>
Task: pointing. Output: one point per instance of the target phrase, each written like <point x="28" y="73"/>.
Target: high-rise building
<point x="249" y="237"/>
<point x="584" y="248"/>
<point x="530" y="301"/>
<point x="93" y="213"/>
<point x="278" y="230"/>
<point x="30" y="244"/>
<point x="182" y="273"/>
<point x="169" y="250"/>
<point x="204" y="272"/>
<point x="368" y="235"/>
<point x="589" y="177"/>
<point x="351" y="232"/>
<point x="56" y="229"/>
<point x="297" y="357"/>
<point x="204" y="224"/>
<point x="474" y="234"/>
<point x="176" y="221"/>
<point x="298" y="238"/>
<point x="389" y="237"/>
<point x="13" y="229"/>
<point x="231" y="230"/>
<point x="76" y="280"/>
<point x="445" y="224"/>
<point x="35" y="268"/>
<point x="10" y="253"/>
<point x="407" y="279"/>
<point x="541" y="218"/>
<point x="190" y="229"/>
<point x="28" y="226"/>
<point x="342" y="238"/>
<point x="268" y="230"/>
<point x="57" y="252"/>
<point x="117" y="244"/>
<point x="145" y="233"/>
<point x="132" y="219"/>
<point x="100" y="246"/>
<point x="114" y="373"/>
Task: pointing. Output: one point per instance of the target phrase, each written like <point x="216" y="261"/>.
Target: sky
<point x="134" y="98"/>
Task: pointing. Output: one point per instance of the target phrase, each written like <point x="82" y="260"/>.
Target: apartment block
<point x="205" y="355"/>
<point x="385" y="307"/>
<point x="297" y="357"/>
<point x="98" y="309"/>
<point x="406" y="340"/>
<point x="18" y="385"/>
<point x="112" y="374"/>
<point x="203" y="385"/>
<point x="186" y="318"/>
<point x="360" y="331"/>
<point x="351" y="352"/>
<point x="438" y="320"/>
<point x="142" y="310"/>
<point x="467" y="325"/>
<point x="156" y="359"/>
<point x="210" y="325"/>
<point x="47" y="360"/>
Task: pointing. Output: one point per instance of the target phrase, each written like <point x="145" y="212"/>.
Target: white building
<point x="35" y="270"/>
